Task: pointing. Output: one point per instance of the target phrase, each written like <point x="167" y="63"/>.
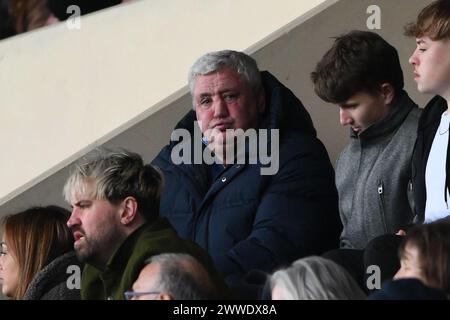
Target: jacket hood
<point x="54" y="276"/>
<point x="283" y="110"/>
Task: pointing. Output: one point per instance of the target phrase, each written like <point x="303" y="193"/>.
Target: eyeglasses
<point x="132" y="294"/>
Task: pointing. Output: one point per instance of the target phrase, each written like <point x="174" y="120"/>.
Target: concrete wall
<point x="63" y="91"/>
<point x="290" y="53"/>
<point x="293" y="57"/>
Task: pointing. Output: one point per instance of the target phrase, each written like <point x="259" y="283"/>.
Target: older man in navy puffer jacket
<point x="245" y="217"/>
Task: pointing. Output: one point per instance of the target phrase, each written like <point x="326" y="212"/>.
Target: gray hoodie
<point x="372" y="175"/>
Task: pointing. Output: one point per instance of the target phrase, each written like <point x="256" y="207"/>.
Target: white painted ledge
<point x="64" y="91"/>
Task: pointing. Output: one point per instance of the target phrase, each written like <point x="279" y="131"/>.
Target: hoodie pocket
<point x="382" y="205"/>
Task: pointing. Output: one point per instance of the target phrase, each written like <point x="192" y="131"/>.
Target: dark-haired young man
<point x="361" y="74"/>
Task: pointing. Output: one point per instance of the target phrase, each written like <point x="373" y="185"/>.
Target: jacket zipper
<point x="381" y="196"/>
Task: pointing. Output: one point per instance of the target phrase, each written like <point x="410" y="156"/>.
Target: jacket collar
<point x="432" y="112"/>
<point x="51" y="276"/>
<point x="120" y="258"/>
<point x="399" y="111"/>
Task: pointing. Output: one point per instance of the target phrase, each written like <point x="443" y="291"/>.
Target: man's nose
<point x="345" y="118"/>
<point x="220" y="109"/>
<point x="413" y="59"/>
<point x="73" y="219"/>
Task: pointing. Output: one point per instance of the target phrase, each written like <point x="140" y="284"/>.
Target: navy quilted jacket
<point x="246" y="220"/>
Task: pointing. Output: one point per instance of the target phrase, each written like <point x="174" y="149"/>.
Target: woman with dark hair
<point x="425" y="255"/>
<point x="36" y="253"/>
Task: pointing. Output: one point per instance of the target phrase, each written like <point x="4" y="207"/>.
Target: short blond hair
<point x="433" y="21"/>
<point x="113" y="176"/>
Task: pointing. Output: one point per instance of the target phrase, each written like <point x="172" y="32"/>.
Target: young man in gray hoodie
<point x="361" y="74"/>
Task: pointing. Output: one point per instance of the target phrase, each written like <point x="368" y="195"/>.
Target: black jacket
<point x="428" y="125"/>
<point x="246" y="220"/>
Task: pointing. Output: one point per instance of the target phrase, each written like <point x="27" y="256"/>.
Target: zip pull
<point x="380" y="189"/>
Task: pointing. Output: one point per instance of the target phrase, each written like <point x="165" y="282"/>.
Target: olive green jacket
<point x="126" y="263"/>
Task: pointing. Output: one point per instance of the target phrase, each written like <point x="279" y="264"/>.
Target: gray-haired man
<point x="173" y="276"/>
<point x="245" y="218"/>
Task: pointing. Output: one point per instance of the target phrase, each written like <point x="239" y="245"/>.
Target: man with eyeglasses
<point x="173" y="276"/>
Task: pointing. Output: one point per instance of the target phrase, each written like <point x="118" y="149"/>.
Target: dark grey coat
<point x="372" y="175"/>
<point x="51" y="282"/>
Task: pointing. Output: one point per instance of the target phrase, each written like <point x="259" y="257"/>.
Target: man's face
<point x="431" y="61"/>
<point x="362" y="110"/>
<point x="95" y="226"/>
<point x="145" y="284"/>
<point x="410" y="266"/>
<point x="225" y="101"/>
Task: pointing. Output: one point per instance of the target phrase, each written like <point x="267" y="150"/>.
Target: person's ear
<point x="387" y="92"/>
<point x="165" y="296"/>
<point x="129" y="210"/>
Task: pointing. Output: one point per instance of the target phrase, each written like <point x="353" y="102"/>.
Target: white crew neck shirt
<point x="435" y="173"/>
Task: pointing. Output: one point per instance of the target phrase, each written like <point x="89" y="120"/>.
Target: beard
<point x="99" y="248"/>
<point x="85" y="251"/>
